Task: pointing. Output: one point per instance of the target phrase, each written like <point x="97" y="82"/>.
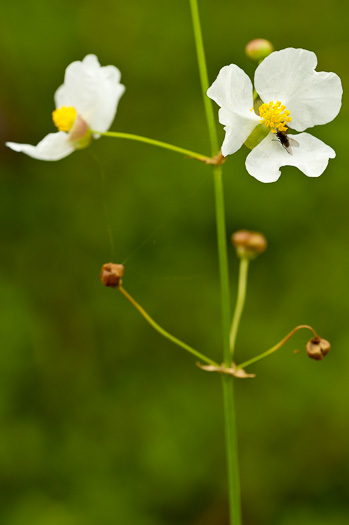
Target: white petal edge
<point x="289" y="76"/>
<point x="237" y="128"/>
<point x="54" y="146"/>
<point x="311" y="157"/>
<point x="94" y="91"/>
<point x="232" y="91"/>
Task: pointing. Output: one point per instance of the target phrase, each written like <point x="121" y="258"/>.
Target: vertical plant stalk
<point x="240" y="302"/>
<point x="228" y="393"/>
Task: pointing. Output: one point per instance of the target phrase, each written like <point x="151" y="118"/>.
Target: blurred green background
<point x="102" y="421"/>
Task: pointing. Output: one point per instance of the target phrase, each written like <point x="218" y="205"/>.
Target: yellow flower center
<point x="64" y="118"/>
<point x="275" y="116"/>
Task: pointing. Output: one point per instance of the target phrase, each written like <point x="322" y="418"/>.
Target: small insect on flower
<point x="286" y="141"/>
<point x="293" y="95"/>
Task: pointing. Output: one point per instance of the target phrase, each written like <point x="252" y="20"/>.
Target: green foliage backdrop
<point x="102" y="421"/>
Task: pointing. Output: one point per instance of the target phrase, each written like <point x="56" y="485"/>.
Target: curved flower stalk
<point x="293" y="96"/>
<point x="87" y="100"/>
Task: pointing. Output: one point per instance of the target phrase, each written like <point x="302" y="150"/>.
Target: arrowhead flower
<point x="86" y="101"/>
<point x="293" y="96"/>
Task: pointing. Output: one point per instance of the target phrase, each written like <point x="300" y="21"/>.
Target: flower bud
<point x="259" y="49"/>
<point x="111" y="274"/>
<point x="317" y="348"/>
<point x="249" y="244"/>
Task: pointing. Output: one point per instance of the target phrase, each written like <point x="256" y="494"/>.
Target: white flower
<point x="86" y="101"/>
<point x="294" y="96"/>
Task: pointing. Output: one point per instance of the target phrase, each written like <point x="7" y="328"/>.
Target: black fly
<point x="286" y="142"/>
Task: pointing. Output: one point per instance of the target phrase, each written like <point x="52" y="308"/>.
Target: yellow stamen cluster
<point x="275" y="116"/>
<point x="64" y="118"/>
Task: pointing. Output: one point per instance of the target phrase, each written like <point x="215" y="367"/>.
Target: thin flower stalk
<point x="276" y="347"/>
<point x="240" y="301"/>
<point x="163" y="332"/>
<point x="153" y="142"/>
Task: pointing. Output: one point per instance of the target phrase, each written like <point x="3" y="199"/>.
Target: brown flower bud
<point x="317" y="348"/>
<point x="259" y="49"/>
<point x="111" y="274"/>
<point x="249" y="244"/>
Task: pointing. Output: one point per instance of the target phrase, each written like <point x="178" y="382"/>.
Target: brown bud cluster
<point x="317" y="348"/>
<point x="249" y="244"/>
<point x="111" y="274"/>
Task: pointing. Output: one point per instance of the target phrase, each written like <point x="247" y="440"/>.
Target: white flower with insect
<point x="86" y="101"/>
<point x="293" y="95"/>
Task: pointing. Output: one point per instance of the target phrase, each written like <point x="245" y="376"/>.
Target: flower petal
<point x="232" y="91"/>
<point x="237" y="128"/>
<point x="94" y="91"/>
<point x="289" y="76"/>
<point x="232" y="88"/>
<point x="311" y="157"/>
<point x="54" y="146"/>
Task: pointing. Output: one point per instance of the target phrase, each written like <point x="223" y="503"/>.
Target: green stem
<point x="200" y="51"/>
<point x="227" y="383"/>
<point x="153" y="142"/>
<point x="275" y="347"/>
<point x="232" y="451"/>
<point x="223" y="261"/>
<point x="240" y="302"/>
<point x="164" y="332"/>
